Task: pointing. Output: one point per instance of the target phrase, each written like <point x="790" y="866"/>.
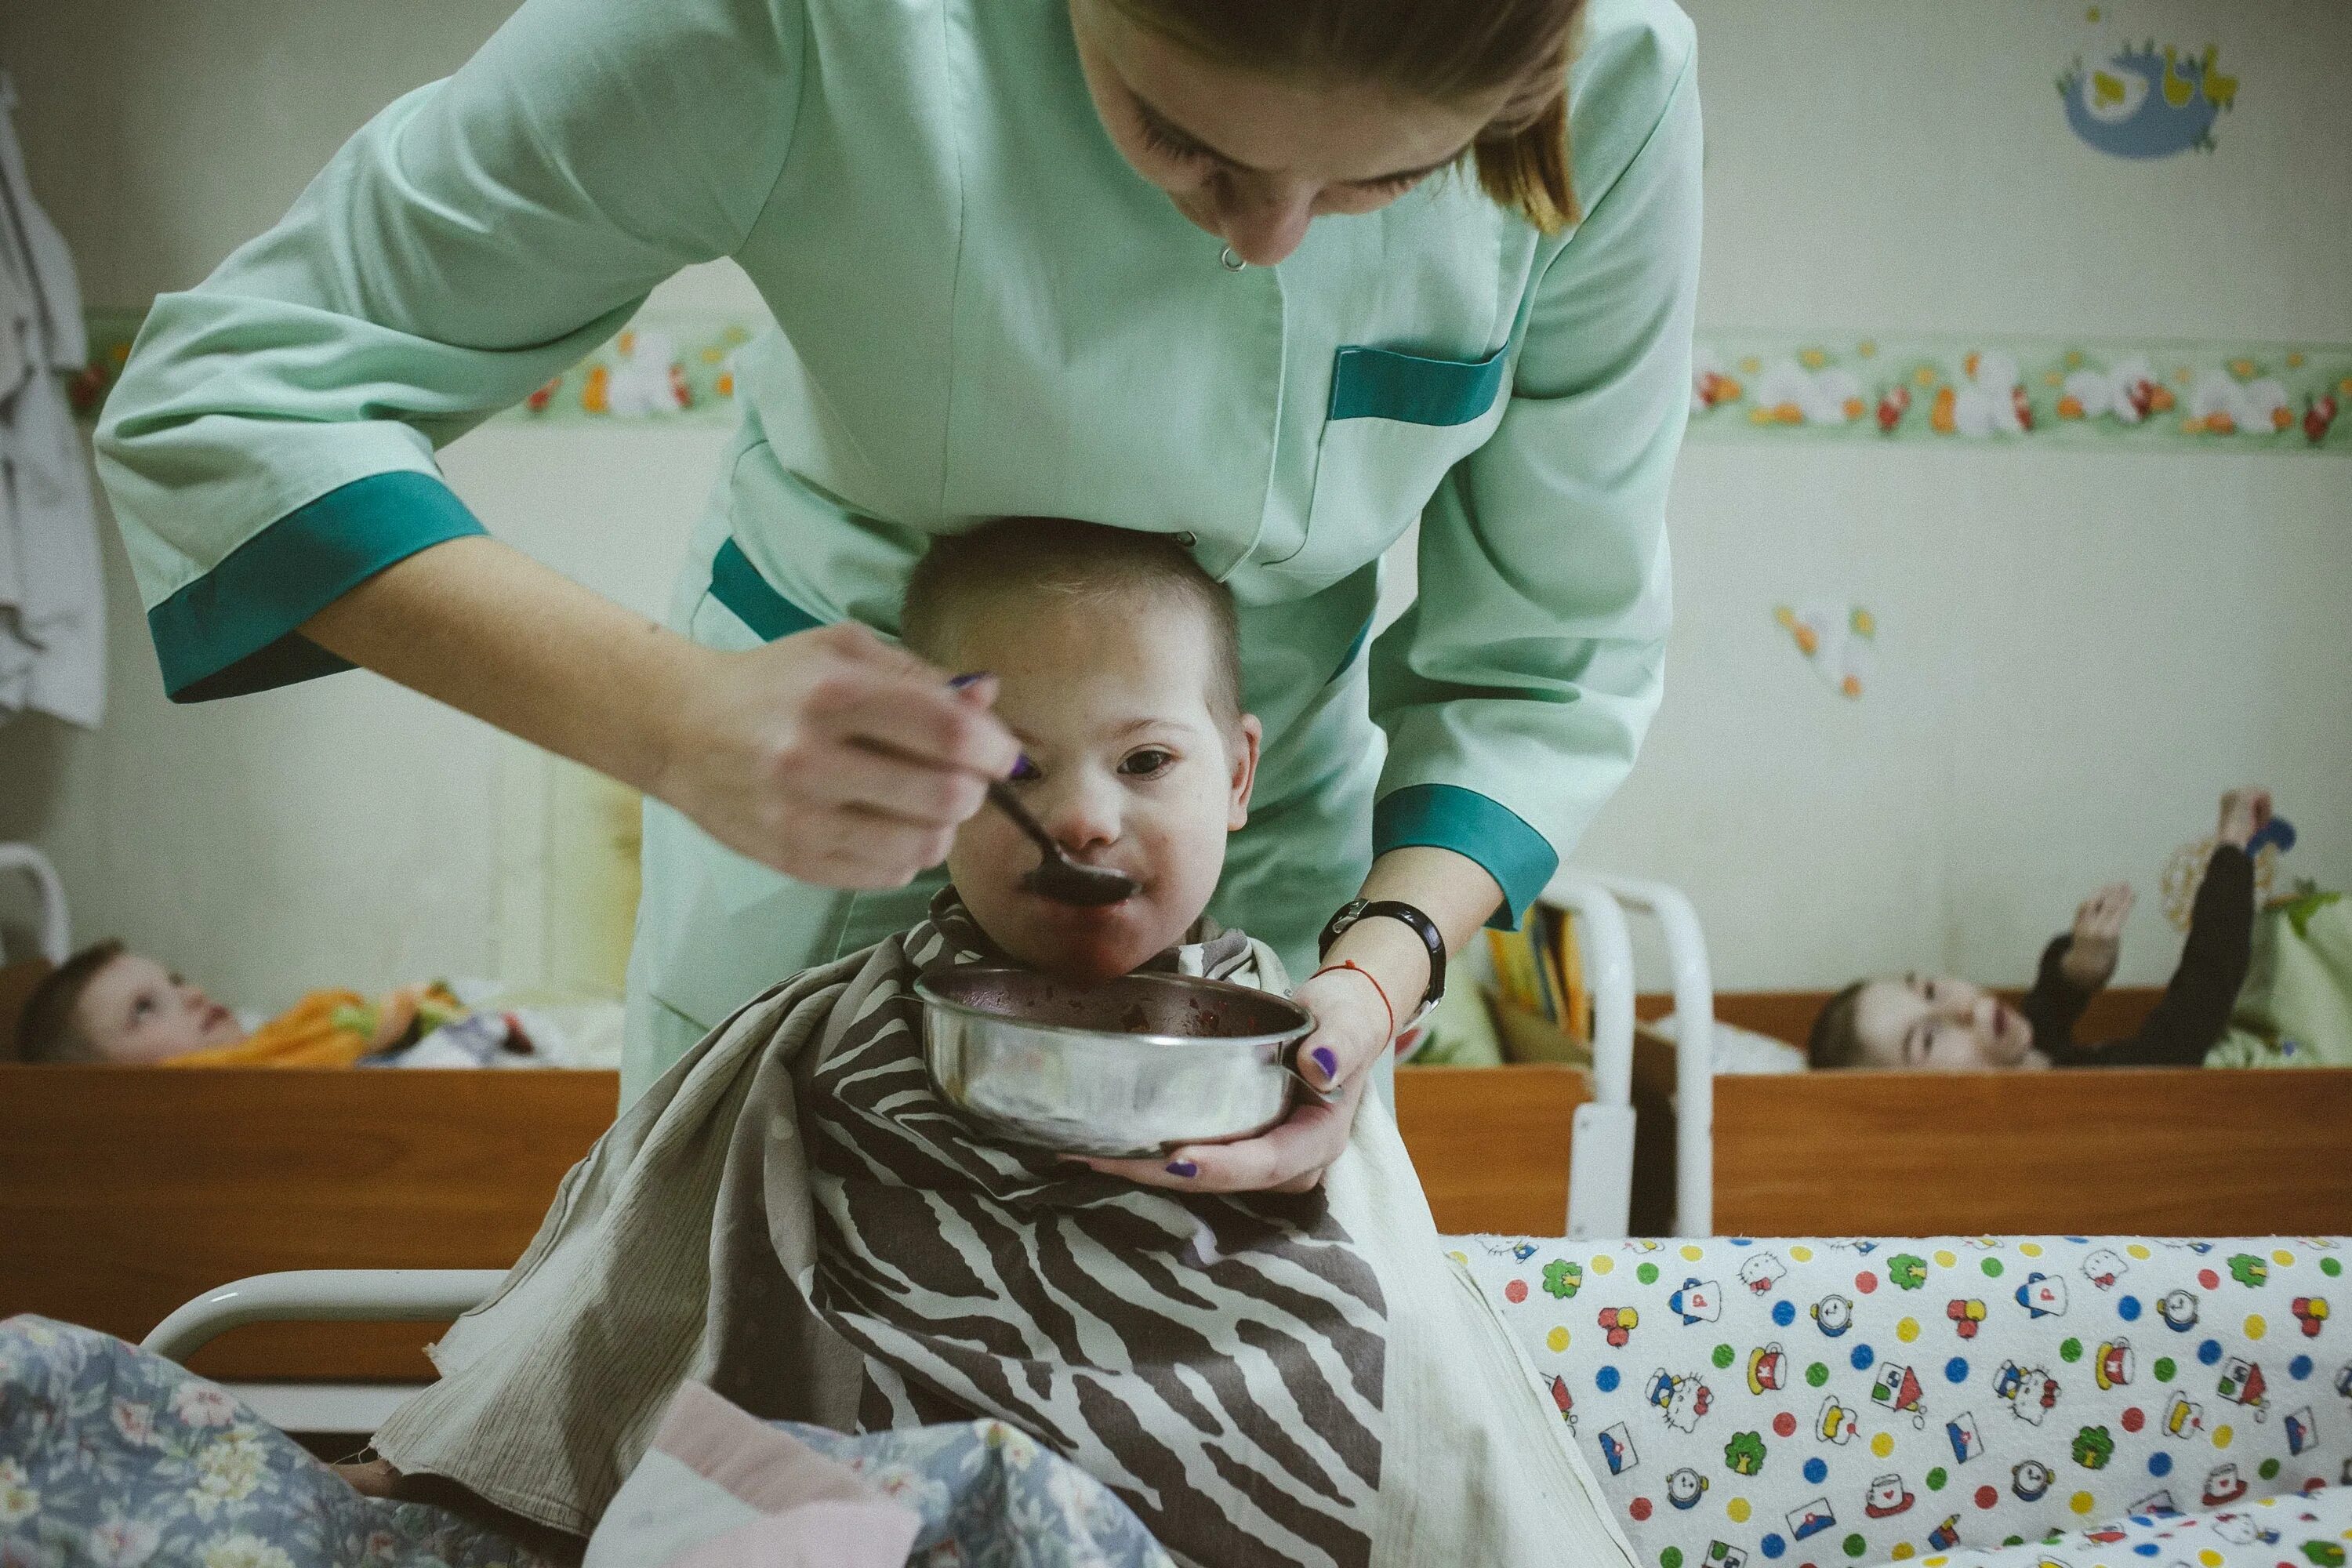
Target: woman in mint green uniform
<point x="1110" y="259"/>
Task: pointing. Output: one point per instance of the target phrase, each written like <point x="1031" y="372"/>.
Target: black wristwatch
<point x="1419" y="924"/>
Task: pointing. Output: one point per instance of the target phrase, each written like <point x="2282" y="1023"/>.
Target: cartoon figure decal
<point x="2093" y="1446"/>
<point x="2043" y="1296"/>
<point x="2311" y="1312"/>
<point x="1617" y="1450"/>
<point x="1967" y="1315"/>
<point x="2178" y="1310"/>
<point x="2030" y="1391"/>
<point x="1684" y="1487"/>
<point x="1961" y="1430"/>
<point x="1698" y="1301"/>
<point x="1897" y="1388"/>
<point x="2242" y="1383"/>
<point x="1834" y="1314"/>
<point x="2183" y="1417"/>
<point x="1680" y="1400"/>
<point x="1562" y="1279"/>
<point x="2224" y="1485"/>
<point x="2028" y="1480"/>
<point x="2249" y="1270"/>
<point x="1762" y="1270"/>
<point x="1744" y="1453"/>
<point x="1768" y="1370"/>
<point x="1563" y="1401"/>
<point x="1617" y="1323"/>
<point x="1835" y="1423"/>
<point x="2104" y="1267"/>
<point x="1811" y="1519"/>
<point x="1906" y="1272"/>
<point x="1886" y="1498"/>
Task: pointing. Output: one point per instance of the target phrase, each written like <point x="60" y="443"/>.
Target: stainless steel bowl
<point x="1127" y="1067"/>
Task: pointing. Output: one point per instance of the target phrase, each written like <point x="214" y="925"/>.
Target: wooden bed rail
<point x="126" y="1190"/>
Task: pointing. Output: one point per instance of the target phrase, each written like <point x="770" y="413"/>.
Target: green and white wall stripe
<point x="1994" y="390"/>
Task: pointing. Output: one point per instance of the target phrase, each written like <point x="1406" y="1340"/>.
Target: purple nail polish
<point x="1184" y="1168"/>
<point x="1325" y="1058"/>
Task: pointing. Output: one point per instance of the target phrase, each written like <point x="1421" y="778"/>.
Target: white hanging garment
<point x="52" y="595"/>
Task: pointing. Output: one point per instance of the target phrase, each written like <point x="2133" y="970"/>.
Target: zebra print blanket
<point x="790" y="1216"/>
<point x="1216" y="1361"/>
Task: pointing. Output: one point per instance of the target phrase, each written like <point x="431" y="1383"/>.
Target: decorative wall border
<point x="2150" y="395"/>
<point x="1997" y="390"/>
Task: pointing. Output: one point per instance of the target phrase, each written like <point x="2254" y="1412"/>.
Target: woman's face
<point x="1252" y="158"/>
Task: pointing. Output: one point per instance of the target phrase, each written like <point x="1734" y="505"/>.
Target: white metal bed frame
<point x="1600" y="1189"/>
<point x="56" y="938"/>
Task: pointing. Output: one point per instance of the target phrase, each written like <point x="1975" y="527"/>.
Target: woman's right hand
<point x="833" y="757"/>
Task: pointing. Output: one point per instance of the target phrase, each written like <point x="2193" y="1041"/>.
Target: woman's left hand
<point x="1351" y="1030"/>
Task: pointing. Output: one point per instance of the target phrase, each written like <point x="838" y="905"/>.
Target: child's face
<point x="134" y="1011"/>
<point x="1129" y="769"/>
<point x="1934" y="1023"/>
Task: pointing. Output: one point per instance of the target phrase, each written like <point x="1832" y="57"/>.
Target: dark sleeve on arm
<point x="2196" y="1006"/>
<point x="2054" y="1005"/>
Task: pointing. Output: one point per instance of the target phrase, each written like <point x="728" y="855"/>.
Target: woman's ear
<point x="1248" y="734"/>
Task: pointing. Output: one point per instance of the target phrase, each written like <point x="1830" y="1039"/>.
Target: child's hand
<point x="2097" y="939"/>
<point x="2244" y="812"/>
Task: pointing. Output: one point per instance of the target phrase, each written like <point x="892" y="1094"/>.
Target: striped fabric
<point x="1217" y="1361"/>
<point x="788" y="1217"/>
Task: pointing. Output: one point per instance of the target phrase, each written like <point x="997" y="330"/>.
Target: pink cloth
<point x="819" y="1514"/>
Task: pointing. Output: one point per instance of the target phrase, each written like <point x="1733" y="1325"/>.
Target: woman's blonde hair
<point x="1444" y="50"/>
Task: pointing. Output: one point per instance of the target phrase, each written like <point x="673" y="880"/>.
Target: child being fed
<point x="793" y="1217"/>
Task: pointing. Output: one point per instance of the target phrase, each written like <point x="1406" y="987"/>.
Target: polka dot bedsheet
<point x="2077" y="1401"/>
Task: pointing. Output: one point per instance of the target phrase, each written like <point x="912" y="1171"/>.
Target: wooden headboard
<point x="16" y="983"/>
<point x="125" y="1191"/>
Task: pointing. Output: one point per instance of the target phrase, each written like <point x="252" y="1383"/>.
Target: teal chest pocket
<point x="1397" y="423"/>
<point x="1381" y="383"/>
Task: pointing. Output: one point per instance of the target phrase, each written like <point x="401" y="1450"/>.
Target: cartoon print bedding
<point x="1815" y="1404"/>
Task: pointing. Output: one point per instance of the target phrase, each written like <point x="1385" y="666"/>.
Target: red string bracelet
<point x="1352" y="963"/>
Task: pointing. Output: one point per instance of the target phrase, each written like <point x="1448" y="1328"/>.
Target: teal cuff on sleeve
<point x="233" y="630"/>
<point x="1520" y="859"/>
<point x="737" y="583"/>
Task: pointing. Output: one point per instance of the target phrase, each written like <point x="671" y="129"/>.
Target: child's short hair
<point x="1835" y="1042"/>
<point x="45" y="1029"/>
<point x="1079" y="560"/>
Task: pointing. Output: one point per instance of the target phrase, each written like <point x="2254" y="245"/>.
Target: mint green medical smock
<point x="981" y="311"/>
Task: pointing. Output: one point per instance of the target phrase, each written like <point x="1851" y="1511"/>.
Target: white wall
<point x="2078" y="650"/>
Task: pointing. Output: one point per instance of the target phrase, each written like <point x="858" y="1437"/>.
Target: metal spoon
<point x="1057" y="877"/>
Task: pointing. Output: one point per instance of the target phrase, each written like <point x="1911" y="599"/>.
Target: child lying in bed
<point x="107" y="1005"/>
<point x="793" y="1217"/>
<point x="1942" y="1024"/>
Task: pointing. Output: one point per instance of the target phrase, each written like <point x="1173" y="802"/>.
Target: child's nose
<point x="1082" y="812"/>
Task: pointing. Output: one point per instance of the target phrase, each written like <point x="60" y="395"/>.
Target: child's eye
<point x="1146" y="762"/>
<point x="1927" y="989"/>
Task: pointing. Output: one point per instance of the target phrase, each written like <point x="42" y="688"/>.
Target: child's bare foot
<point x="2244" y="812"/>
<point x="373" y="1478"/>
<point x="2098" y="937"/>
